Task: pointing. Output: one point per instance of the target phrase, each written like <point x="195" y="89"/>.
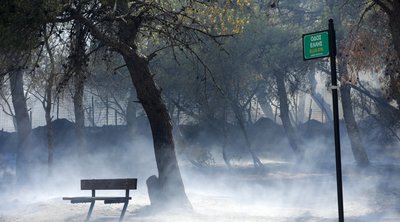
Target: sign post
<point x="318" y="45"/>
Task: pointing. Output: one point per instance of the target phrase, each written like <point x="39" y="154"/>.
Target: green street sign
<point x="315" y="45"/>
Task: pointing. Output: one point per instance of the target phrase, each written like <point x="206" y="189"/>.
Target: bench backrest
<point x="109" y="184"/>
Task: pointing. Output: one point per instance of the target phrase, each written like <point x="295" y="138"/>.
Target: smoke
<point x="284" y="190"/>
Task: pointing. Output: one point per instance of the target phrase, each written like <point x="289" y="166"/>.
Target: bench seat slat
<point x="107" y="200"/>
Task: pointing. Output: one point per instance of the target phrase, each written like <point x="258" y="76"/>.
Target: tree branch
<point x="363" y="14"/>
<point x="113" y="43"/>
<point x="386" y="8"/>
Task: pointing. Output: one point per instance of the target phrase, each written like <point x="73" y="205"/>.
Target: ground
<point x="281" y="192"/>
<point x="284" y="191"/>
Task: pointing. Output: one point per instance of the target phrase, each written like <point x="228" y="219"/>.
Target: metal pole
<point x="107" y="110"/>
<point x="115" y="116"/>
<point x="30" y="117"/>
<point x="92" y="111"/>
<point x="58" y="106"/>
<point x="332" y="49"/>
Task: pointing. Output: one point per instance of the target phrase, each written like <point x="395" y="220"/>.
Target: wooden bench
<point x="105" y="184"/>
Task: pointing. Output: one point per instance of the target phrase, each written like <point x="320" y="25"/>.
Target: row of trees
<point x="215" y="61"/>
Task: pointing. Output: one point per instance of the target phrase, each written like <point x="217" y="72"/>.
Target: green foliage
<point x="245" y="64"/>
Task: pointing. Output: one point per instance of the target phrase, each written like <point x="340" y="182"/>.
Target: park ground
<point x="281" y="192"/>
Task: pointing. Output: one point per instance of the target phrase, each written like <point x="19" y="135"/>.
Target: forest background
<point x="218" y="83"/>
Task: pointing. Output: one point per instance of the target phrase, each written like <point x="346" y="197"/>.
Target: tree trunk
<point x="256" y="161"/>
<point x="359" y="153"/>
<point x="318" y="98"/>
<point x="225" y="138"/>
<point x="50" y="134"/>
<point x="24" y="152"/>
<point x="47" y="105"/>
<point x="352" y="129"/>
<point x="78" y="64"/>
<point x="265" y="105"/>
<point x="79" y="112"/>
<point x="131" y="112"/>
<point x="168" y="187"/>
<point x="302" y="107"/>
<point x="394" y="24"/>
<point x="284" y="114"/>
<point x="357" y="147"/>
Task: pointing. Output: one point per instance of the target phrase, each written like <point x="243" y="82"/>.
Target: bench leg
<point x="90" y="211"/>
<point x="121" y="218"/>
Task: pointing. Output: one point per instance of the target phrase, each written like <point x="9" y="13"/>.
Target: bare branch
<point x="367" y="9"/>
<point x="387" y="7"/>
<point x="108" y="40"/>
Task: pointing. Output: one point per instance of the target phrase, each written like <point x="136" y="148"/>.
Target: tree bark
<point x="359" y="153"/>
<point x="50" y="133"/>
<point x="225" y="138"/>
<point x="264" y="104"/>
<point x="79" y="112"/>
<point x="318" y="98"/>
<point x="47" y="105"/>
<point x="394" y="24"/>
<point x="284" y="114"/>
<point x="168" y="187"/>
<point x="131" y="112"/>
<point x="357" y="148"/>
<point x="78" y="65"/>
<point x="239" y="117"/>
<point x="24" y="130"/>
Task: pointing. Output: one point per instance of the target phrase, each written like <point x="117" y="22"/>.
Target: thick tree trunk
<point x="168" y="187"/>
<point x="359" y="153"/>
<point x="24" y="150"/>
<point x="284" y="114"/>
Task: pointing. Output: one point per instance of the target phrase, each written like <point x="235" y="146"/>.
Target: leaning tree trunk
<point x="284" y="114"/>
<point x="168" y="187"/>
<point x="359" y="153"/>
<point x="264" y="104"/>
<point x="24" y="152"/>
<point x="318" y="98"/>
<point x="352" y="129"/>
<point x="239" y="117"/>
